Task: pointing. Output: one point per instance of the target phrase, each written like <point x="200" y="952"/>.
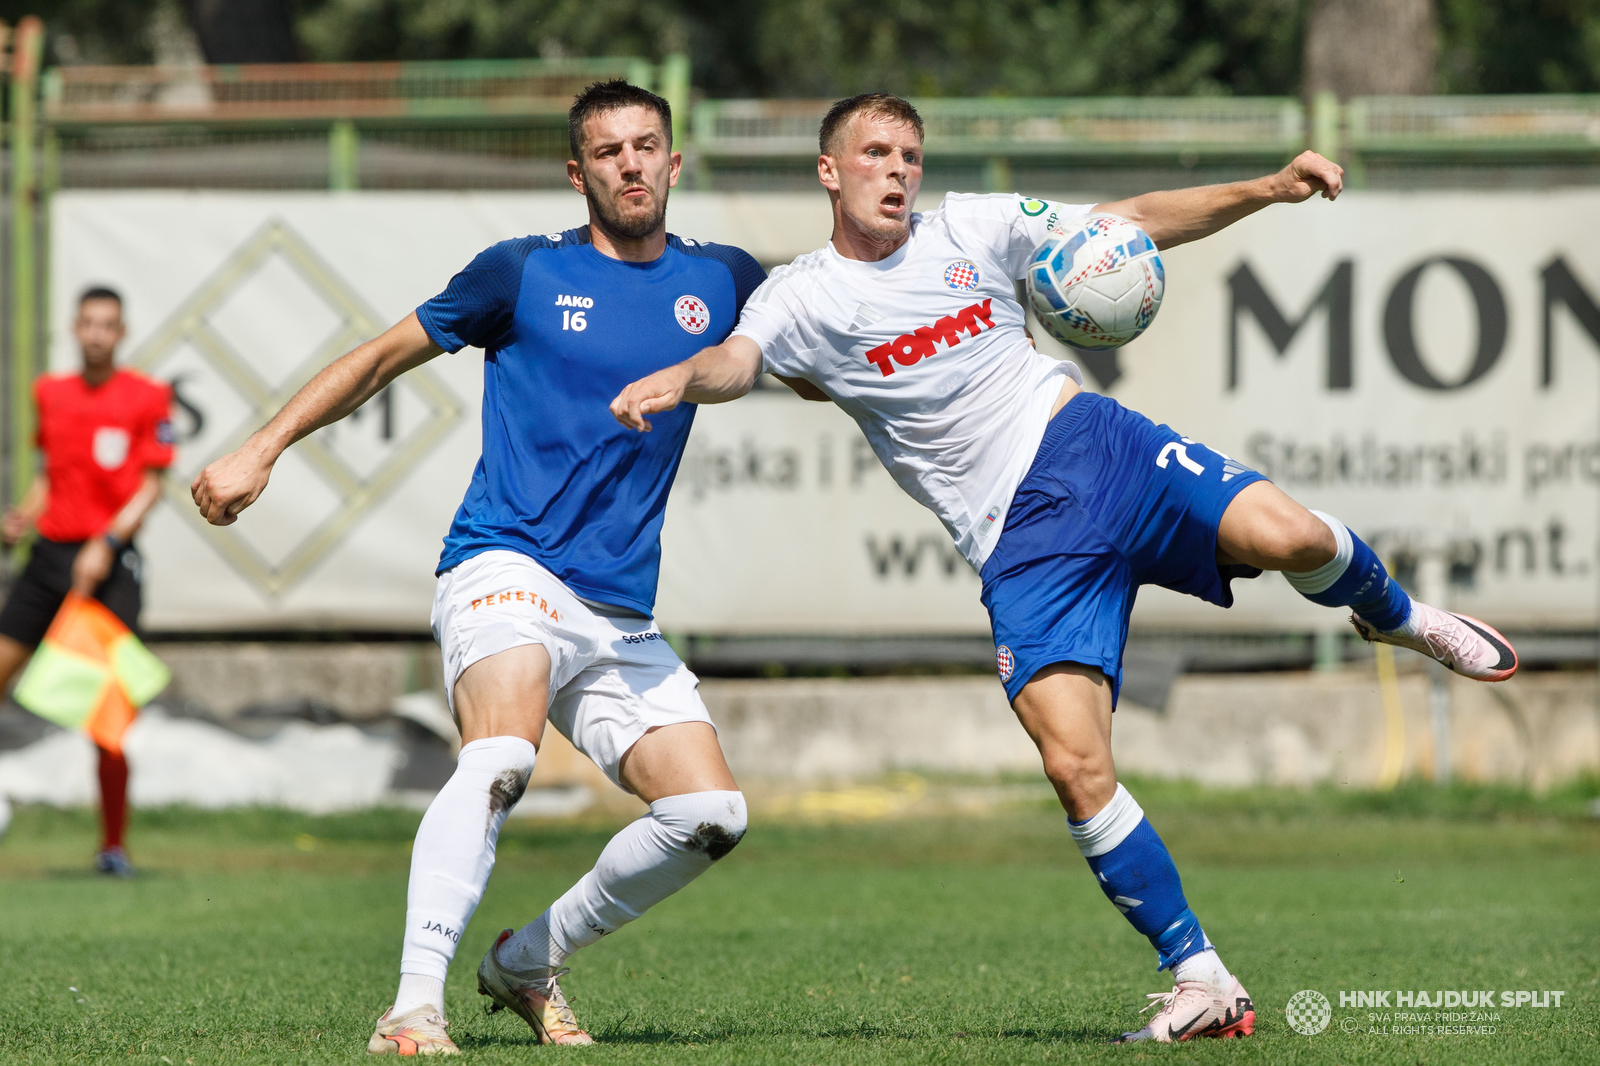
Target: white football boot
<point x="534" y="994"/>
<point x="1195" y="1009"/>
<point x="416" y="1032"/>
<point x="1464" y="644"/>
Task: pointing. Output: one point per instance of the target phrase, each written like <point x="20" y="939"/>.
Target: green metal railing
<point x="996" y="132"/>
<point x="446" y="91"/>
<point x="1053" y="128"/>
<point x="1471" y="129"/>
<point x="304" y="119"/>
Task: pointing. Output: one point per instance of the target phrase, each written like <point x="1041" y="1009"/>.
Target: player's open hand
<point x="229" y="485"/>
<point x="15" y="525"/>
<point x="1307" y="175"/>
<point x="661" y="391"/>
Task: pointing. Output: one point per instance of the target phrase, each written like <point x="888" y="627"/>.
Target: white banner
<point x="1422" y="365"/>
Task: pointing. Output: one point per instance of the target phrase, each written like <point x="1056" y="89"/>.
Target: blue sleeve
<point x="747" y="273"/>
<point x="476" y="308"/>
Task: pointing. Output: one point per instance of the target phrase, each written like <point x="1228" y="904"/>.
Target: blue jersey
<point x="564" y="328"/>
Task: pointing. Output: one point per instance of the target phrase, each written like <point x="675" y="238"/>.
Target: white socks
<point x="452" y="858"/>
<point x="646" y="862"/>
<point x="1204" y="966"/>
<point x="417" y="990"/>
<point x="454" y="853"/>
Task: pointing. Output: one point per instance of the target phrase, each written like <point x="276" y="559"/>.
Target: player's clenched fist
<point x="229" y="485"/>
<point x="1308" y="174"/>
<point x="661" y="391"/>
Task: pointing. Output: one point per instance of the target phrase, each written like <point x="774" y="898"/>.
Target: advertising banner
<point x="1423" y="365"/>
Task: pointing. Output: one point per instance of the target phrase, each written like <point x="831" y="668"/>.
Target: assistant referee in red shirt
<point x="105" y="437"/>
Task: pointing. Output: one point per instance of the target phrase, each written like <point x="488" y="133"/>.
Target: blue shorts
<point x="1112" y="501"/>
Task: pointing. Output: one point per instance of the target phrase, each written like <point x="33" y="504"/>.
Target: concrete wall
<point x="1538" y="729"/>
<point x="356" y="681"/>
<point x="1238" y="729"/>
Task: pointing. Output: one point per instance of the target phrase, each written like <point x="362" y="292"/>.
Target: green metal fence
<point x="304" y="125"/>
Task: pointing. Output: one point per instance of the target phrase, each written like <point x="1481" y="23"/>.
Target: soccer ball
<point x="1097" y="284"/>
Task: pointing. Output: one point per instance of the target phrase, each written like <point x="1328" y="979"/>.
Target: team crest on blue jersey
<point x="962" y="275"/>
<point x="1005" y="662"/>
<point x="693" y="314"/>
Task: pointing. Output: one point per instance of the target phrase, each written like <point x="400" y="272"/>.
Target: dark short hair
<point x="886" y="105"/>
<point x="613" y="95"/>
<point x="99" y="292"/>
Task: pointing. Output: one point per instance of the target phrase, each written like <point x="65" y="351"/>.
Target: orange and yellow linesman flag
<point x="90" y="673"/>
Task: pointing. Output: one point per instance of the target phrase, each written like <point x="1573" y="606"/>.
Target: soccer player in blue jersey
<point x="548" y="577"/>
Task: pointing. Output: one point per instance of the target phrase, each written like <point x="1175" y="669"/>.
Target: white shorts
<point x="613" y="678"/>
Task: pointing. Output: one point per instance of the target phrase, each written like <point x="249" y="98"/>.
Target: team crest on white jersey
<point x="961" y="275"/>
<point x="1004" y="661"/>
<point x="693" y="314"/>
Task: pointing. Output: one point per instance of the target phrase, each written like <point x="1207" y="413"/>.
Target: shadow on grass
<point x="613" y="1035"/>
<point x="658" y="1036"/>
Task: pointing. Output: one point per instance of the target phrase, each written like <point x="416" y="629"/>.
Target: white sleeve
<point x="1013" y="226"/>
<point x="773" y="319"/>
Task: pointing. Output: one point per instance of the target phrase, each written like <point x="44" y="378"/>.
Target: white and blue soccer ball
<point x="1098" y="283"/>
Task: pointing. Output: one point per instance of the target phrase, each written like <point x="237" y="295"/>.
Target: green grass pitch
<point x="262" y="936"/>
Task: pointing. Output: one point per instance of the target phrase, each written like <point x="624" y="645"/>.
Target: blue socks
<point x="1133" y="869"/>
<point x="1355" y="577"/>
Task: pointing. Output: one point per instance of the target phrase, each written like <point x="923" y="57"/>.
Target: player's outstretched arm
<point x="713" y="375"/>
<point x="1183" y="215"/>
<point x="233" y="482"/>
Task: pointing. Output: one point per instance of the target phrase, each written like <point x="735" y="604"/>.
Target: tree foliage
<point x="825" y="47"/>
<point x="924" y="47"/>
<point x="94" y="31"/>
<point x="1519" y="46"/>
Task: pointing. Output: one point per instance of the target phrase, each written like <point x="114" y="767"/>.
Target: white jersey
<point x="926" y="351"/>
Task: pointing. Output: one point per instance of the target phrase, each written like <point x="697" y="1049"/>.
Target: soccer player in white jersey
<point x="548" y="576"/>
<point x="1063" y="500"/>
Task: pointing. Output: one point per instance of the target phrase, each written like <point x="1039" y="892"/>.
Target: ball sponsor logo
<point x="692" y="313"/>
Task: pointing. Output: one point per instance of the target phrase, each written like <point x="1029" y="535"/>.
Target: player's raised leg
<point x="501" y="702"/>
<point x="1066" y="709"/>
<point x="697" y="815"/>
<point x="1328" y="564"/>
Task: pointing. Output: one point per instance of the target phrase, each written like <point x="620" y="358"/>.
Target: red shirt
<point x="97" y="443"/>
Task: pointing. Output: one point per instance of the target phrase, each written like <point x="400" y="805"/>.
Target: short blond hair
<point x="885" y="105"/>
